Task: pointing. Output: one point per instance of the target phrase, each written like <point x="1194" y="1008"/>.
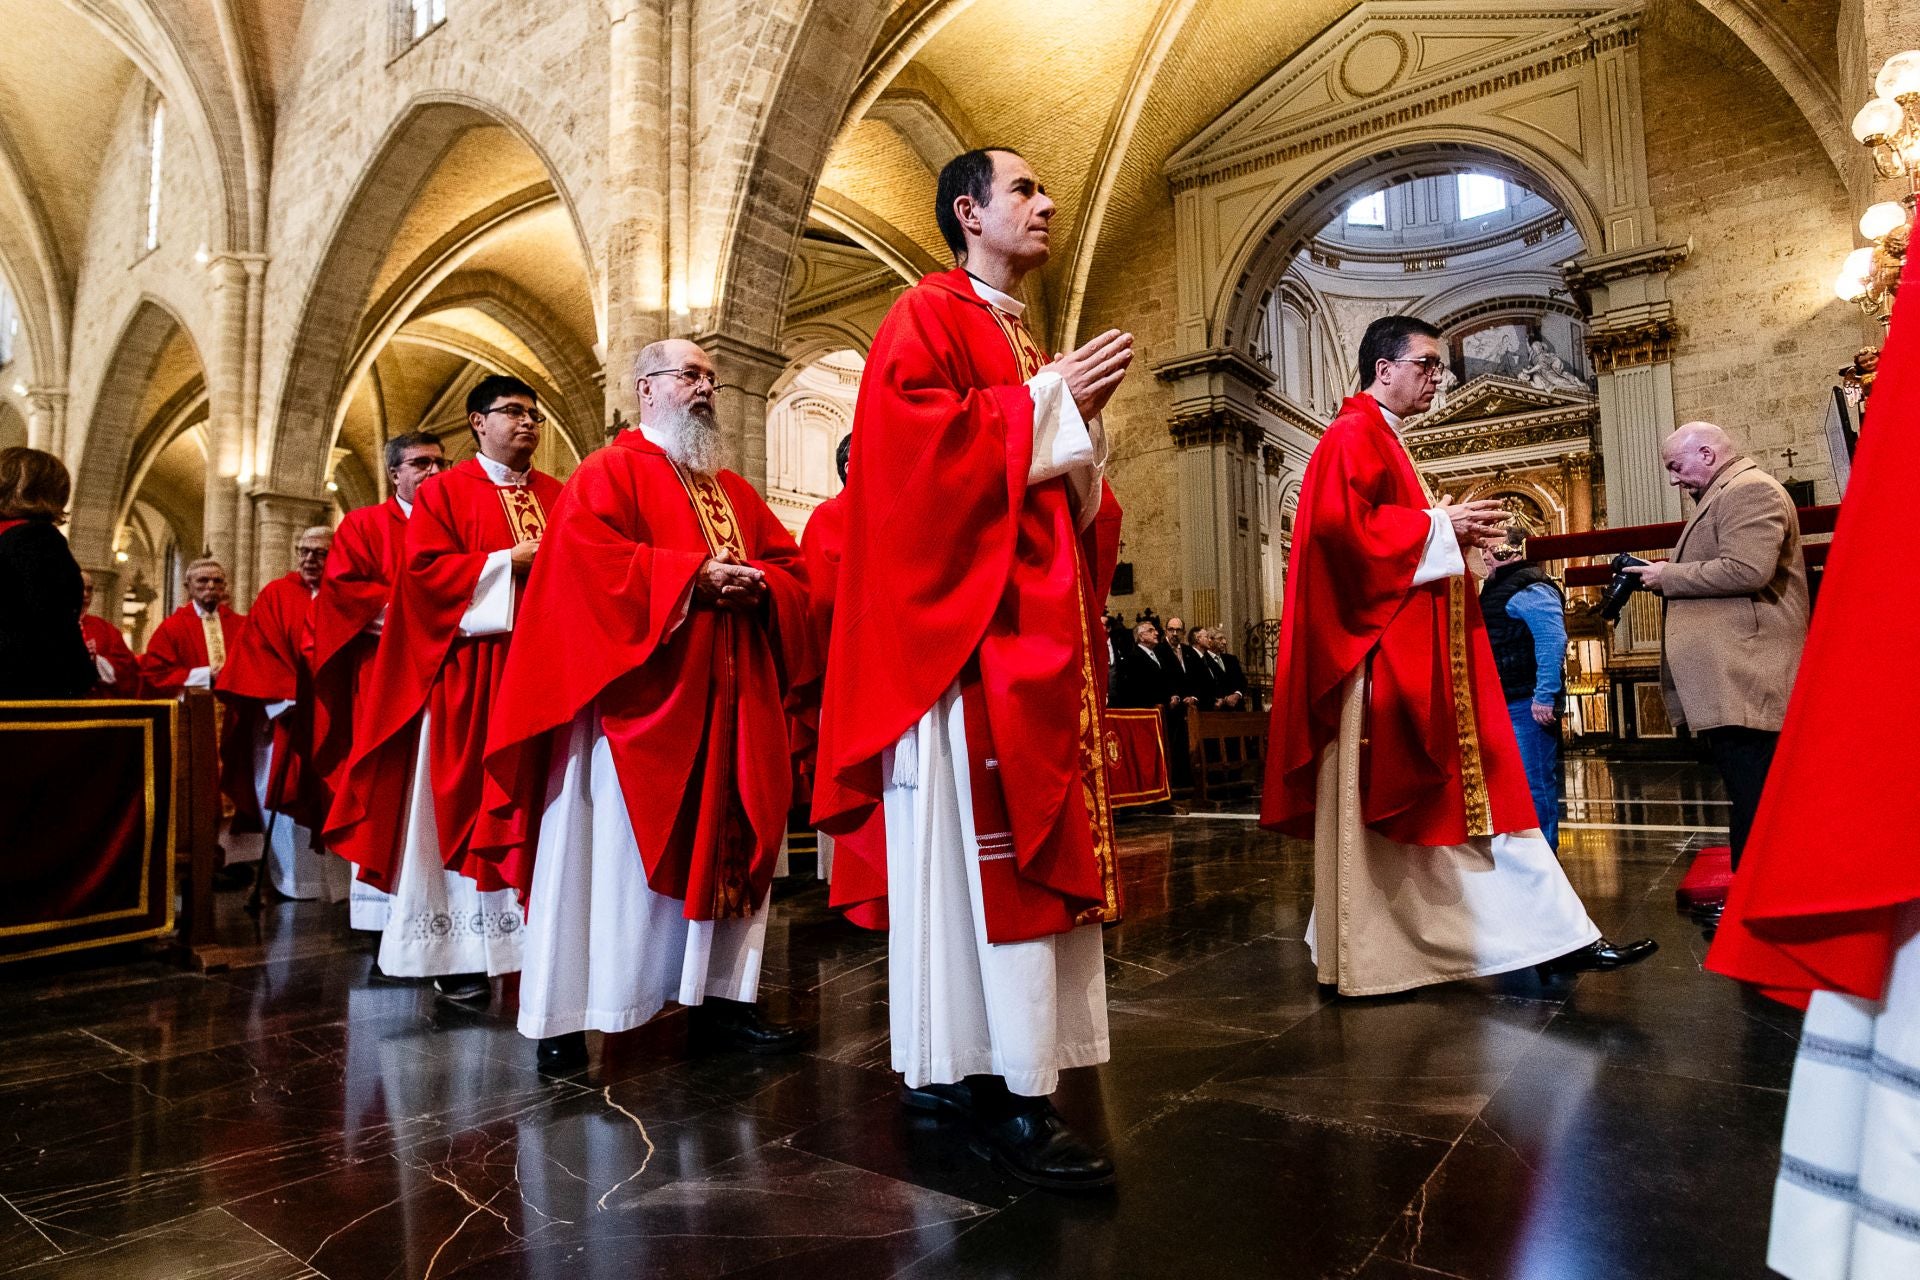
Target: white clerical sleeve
<point x="277" y="709"/>
<point x="491" y="610"/>
<point x="200" y="678"/>
<point x="1065" y="444"/>
<point x="104" y="669"/>
<point x="379" y="623"/>
<point x="1441" y="558"/>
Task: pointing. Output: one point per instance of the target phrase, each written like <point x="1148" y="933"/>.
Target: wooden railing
<point x="1607" y="543"/>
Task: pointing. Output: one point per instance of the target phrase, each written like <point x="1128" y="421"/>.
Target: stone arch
<point x="1292" y="212"/>
<point x="333" y="328"/>
<point x="1552" y="510"/>
<point x="100" y="478"/>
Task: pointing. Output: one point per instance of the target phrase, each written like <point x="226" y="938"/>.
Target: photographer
<point x="1527" y="626"/>
<point x="1735" y="611"/>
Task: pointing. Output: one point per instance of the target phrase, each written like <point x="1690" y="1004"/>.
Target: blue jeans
<point x="1540" y="756"/>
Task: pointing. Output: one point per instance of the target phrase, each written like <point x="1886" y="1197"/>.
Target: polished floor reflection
<point x="289" y="1119"/>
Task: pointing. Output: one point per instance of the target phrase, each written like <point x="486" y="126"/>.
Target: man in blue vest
<point x="1527" y="625"/>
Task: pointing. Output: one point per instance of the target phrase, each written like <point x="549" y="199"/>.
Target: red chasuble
<point x="105" y="641"/>
<point x="269" y="665"/>
<point x="1832" y="859"/>
<point x="690" y="697"/>
<point x="176" y="647"/>
<point x="821" y="547"/>
<point x="423" y="664"/>
<point x="1441" y="762"/>
<point x="361" y="570"/>
<point x="957" y="570"/>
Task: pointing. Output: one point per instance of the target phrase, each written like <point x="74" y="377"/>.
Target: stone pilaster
<point x="747" y="372"/>
<point x="278" y="519"/>
<point x="47" y="427"/>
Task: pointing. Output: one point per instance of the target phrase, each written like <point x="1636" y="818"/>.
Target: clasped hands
<point x="1093" y="372"/>
<point x="725" y="583"/>
<point x="1480" y="523"/>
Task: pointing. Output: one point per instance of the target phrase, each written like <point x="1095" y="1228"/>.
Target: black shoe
<point x="235" y="876"/>
<point x="472" y="989"/>
<point x="1036" y="1146"/>
<point x="1708" y="913"/>
<point x="730" y="1024"/>
<point x="946" y="1100"/>
<point x="563" y="1053"/>
<point x="1601" y="955"/>
<point x="378" y="975"/>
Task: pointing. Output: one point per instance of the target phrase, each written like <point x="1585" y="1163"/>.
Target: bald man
<point x="1734" y="609"/>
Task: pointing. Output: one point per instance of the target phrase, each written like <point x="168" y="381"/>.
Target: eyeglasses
<point x="302" y="553"/>
<point x="428" y="465"/>
<point x="519" y="413"/>
<point x="1428" y="365"/>
<point x="692" y="377"/>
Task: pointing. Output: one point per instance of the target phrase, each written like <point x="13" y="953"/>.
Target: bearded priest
<point x="961" y="730"/>
<point x="348" y="616"/>
<point x="266" y="677"/>
<point x="1393" y="751"/>
<point x="410" y="800"/>
<point x="639" y="745"/>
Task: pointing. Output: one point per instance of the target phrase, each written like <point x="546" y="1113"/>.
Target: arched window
<point x="156" y="141"/>
<point x="413" y="20"/>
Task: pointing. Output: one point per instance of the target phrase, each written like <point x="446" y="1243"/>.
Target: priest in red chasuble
<point x="119" y="670"/>
<point x="641" y="730"/>
<point x="266" y="680"/>
<point x="348" y="615"/>
<point x="186" y="651"/>
<point x="822" y="544"/>
<point x="406" y="809"/>
<point x="1391" y="748"/>
<point x="961" y="729"/>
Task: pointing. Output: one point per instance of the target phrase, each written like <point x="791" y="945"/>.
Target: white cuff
<point x="378" y="624"/>
<point x="104" y="669"/>
<point x="490" y="613"/>
<point x="200" y="678"/>
<point x="277" y="709"/>
<point x="1065" y="444"/>
<point x="1441" y="558"/>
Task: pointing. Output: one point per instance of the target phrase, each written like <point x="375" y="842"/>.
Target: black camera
<point x="1620" y="586"/>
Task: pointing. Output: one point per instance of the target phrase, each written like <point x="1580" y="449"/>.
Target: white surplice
<point x="1847" y="1202"/>
<point x="959" y="1005"/>
<point x="1390" y="917"/>
<point x="438" y="921"/>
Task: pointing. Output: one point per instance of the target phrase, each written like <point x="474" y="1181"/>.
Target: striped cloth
<point x="1847" y="1202"/>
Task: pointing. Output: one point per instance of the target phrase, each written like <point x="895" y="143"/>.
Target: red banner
<point x="86" y="842"/>
<point x="1136" y="757"/>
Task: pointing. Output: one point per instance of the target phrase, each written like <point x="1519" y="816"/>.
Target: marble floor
<point x="288" y="1119"/>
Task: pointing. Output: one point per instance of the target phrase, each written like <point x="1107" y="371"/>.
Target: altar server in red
<point x="406" y="809"/>
<point x="1825" y="910"/>
<point x="348" y="616"/>
<point x="266" y="678"/>
<point x="118" y="669"/>
<point x="1392" y="750"/>
<point x="641" y="727"/>
<point x="961" y="729"/>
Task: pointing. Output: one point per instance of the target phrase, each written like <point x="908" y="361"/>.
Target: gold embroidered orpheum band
<point x="732" y="890"/>
<point x="216" y="640"/>
<point x="1093" y="730"/>
<point x="525" y="516"/>
<point x="1473" y="777"/>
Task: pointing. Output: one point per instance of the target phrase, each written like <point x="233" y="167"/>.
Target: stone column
<point x="47" y="427"/>
<point x="636" y="193"/>
<point x="106" y="591"/>
<point x="225" y="509"/>
<point x="278" y="519"/>
<point x="747" y="372"/>
<point x="1578" y="471"/>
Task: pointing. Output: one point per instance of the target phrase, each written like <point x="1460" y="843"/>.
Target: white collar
<point x="204" y="613"/>
<point x="499" y="473"/>
<point x="1148" y="650"/>
<point x="654" y="438"/>
<point x="1393" y="419"/>
<point x="406" y="508"/>
<point x="994" y="298"/>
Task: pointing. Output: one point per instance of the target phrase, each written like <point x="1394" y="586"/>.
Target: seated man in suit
<point x="1226" y="679"/>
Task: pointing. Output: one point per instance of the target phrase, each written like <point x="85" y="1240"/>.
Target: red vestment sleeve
<point x="1832" y="860"/>
<point x="105" y="641"/>
<point x="266" y="664"/>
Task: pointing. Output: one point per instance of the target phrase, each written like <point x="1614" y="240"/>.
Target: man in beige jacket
<point x="1735" y="611"/>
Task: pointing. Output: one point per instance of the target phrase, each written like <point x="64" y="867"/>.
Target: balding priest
<point x="409" y="803"/>
<point x="348" y="615"/>
<point x="187" y="651"/>
<point x="266" y="678"/>
<point x="1392" y="749"/>
<point x="961" y="730"/>
<point x="641" y="729"/>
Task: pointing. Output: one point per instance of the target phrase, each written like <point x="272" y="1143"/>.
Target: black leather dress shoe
<point x="472" y="989"/>
<point x="1601" y="955"/>
<point x="1036" y="1146"/>
<point x="562" y="1053"/>
<point x="1708" y="913"/>
<point x="730" y="1024"/>
<point x="946" y="1100"/>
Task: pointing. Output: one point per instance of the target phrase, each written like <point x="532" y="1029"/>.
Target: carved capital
<point x="1579" y="466"/>
<point x="1214" y="426"/>
<point x="1270" y="459"/>
<point x="1625" y="346"/>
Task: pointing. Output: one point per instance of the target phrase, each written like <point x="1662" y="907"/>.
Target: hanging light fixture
<point x="1889" y="127"/>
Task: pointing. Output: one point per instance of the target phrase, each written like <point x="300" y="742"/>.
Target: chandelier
<point x="1889" y="127"/>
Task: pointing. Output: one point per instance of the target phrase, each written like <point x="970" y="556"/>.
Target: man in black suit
<point x="1181" y="662"/>
<point x="1144" y="678"/>
<point x="1226" y="679"/>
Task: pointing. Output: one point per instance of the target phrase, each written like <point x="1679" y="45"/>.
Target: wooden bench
<point x="1227" y="752"/>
